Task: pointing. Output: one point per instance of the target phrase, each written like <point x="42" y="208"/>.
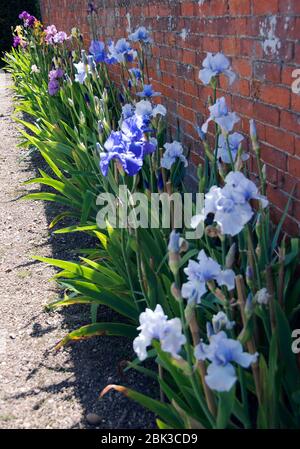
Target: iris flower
<point x="214" y="65"/>
<point x="222" y="352"/>
<point x="201" y="272"/>
<point x="97" y="49"/>
<point x="141" y="35"/>
<point x="120" y="52"/>
<point x="231" y="204"/>
<point x="28" y="19"/>
<point x="148" y="92"/>
<point x="129" y="146"/>
<point x="155" y="325"/>
<point x="219" y="114"/>
<point x="234" y="141"/>
<point x="173" y="152"/>
<point x="82" y="72"/>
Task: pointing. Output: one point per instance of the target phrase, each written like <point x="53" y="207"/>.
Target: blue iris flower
<point x="129" y="155"/>
<point x="148" y="92"/>
<point x="129" y="146"/>
<point x="136" y="73"/>
<point x="141" y="35"/>
<point x="97" y="49"/>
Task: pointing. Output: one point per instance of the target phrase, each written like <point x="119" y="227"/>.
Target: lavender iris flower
<point x="219" y="114"/>
<point x="127" y="110"/>
<point x="50" y="31"/>
<point x="222" y="352"/>
<point x="97" y="49"/>
<point x="148" y="92"/>
<point x="173" y="152"/>
<point x="60" y="37"/>
<point x="234" y="141"/>
<point x="141" y="35"/>
<point x="214" y="65"/>
<point x="243" y="189"/>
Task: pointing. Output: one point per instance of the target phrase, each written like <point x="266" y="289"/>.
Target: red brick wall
<point x="262" y="38"/>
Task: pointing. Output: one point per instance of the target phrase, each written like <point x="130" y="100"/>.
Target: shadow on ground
<point x="95" y="362"/>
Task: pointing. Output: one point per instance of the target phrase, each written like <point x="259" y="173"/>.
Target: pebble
<point x="93" y="419"/>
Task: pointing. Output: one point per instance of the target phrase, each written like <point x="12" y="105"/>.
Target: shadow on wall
<point x="9" y="12"/>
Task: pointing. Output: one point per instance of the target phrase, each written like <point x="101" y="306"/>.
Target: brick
<point x="266" y="114"/>
<point x="266" y="71"/>
<point x="187" y="9"/>
<point x="239" y="7"/>
<point x="279" y="96"/>
<point x="280" y="139"/>
<point x="294" y="167"/>
<point x="274" y="157"/>
<point x="290" y="6"/>
<point x="290" y="121"/>
<point x="264" y="7"/>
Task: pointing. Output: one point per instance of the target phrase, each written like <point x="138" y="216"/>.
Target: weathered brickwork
<point x="262" y="38"/>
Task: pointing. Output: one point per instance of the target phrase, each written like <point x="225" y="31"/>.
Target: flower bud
<point x="249" y="306"/>
<point x="84" y="57"/>
<point x="230" y="258"/>
<point x="176" y="292"/>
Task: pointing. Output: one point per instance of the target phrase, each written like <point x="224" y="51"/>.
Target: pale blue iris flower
<point x="231" y="204"/>
<point x="226" y="154"/>
<point x="173" y="152"/>
<point x="220" y="114"/>
<point x="214" y="65"/>
<point x="222" y="352"/>
<point x="201" y="272"/>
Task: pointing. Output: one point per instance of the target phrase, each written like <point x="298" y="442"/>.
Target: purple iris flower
<point x="97" y="49"/>
<point x="54" y="76"/>
<point x="28" y="19"/>
<point x="220" y="114"/>
<point x="17" y="41"/>
<point x="148" y="92"/>
<point x="214" y="65"/>
<point x="140" y="35"/>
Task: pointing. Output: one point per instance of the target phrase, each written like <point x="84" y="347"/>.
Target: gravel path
<point x="40" y="388"/>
